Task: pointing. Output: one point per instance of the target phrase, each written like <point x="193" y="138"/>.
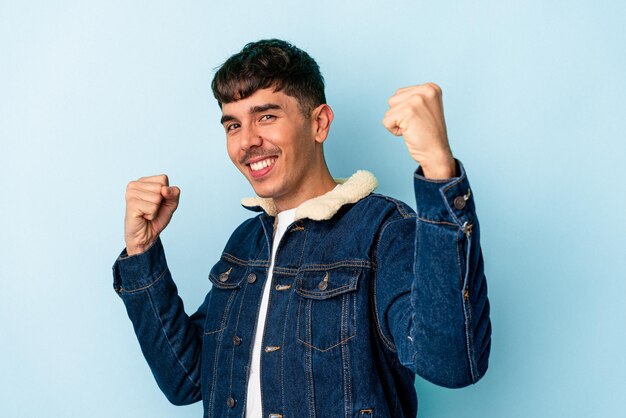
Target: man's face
<point x="271" y="142"/>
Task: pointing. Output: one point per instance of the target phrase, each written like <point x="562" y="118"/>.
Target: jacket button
<point x="230" y="402"/>
<point x="324" y="283"/>
<point x="251" y="278"/>
<point x="236" y="340"/>
<point x="459" y="202"/>
<point x="223" y="277"/>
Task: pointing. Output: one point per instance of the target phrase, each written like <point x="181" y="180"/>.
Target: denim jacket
<point x="365" y="294"/>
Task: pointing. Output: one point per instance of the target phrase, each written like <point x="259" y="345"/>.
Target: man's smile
<point x="261" y="167"/>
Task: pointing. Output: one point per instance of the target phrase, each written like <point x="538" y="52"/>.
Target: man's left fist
<point x="416" y="113"/>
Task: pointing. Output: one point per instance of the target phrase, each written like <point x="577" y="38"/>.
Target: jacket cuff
<point x="449" y="200"/>
<point x="136" y="272"/>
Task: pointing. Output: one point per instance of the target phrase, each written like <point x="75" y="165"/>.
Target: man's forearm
<point x="451" y="326"/>
<point x="170" y="340"/>
<point x="431" y="288"/>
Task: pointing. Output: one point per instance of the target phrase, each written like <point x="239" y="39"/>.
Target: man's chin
<point x="262" y="187"/>
<point x="262" y="191"/>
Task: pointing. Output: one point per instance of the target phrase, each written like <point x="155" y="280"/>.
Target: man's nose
<point x="250" y="137"/>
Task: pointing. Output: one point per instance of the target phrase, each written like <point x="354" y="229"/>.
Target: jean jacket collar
<point x="323" y="207"/>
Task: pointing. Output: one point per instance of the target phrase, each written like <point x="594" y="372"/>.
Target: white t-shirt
<point x="253" y="400"/>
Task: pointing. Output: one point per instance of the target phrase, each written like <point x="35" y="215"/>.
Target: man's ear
<point x="321" y="118"/>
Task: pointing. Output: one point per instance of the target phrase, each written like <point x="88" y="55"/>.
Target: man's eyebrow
<point x="264" y="107"/>
<point x="253" y="110"/>
<point x="226" y="118"/>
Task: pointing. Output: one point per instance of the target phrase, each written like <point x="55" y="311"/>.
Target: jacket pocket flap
<point x="324" y="284"/>
<point x="227" y="275"/>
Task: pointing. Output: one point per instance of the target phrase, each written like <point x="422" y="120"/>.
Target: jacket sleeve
<point x="170" y="340"/>
<point x="431" y="291"/>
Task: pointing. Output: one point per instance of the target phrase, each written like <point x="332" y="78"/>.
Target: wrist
<point x="130" y="251"/>
<point x="440" y="167"/>
<point x="137" y="249"/>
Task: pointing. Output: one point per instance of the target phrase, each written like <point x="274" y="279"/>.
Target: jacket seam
<point x="149" y="285"/>
<point x="282" y="353"/>
<point x="323" y="350"/>
<point x="444" y="190"/>
<point x="467" y="313"/>
<point x="384" y="338"/>
<point x="336" y="264"/>
<point x="437" y="222"/>
<point x="218" y="348"/>
<point x="244" y="263"/>
<point x="324" y="295"/>
<point x="169" y="343"/>
<point x="379" y="331"/>
<point x="400" y="206"/>
<point x="345" y="352"/>
<point x="232" y="357"/>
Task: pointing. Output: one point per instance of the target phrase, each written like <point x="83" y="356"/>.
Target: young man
<point x="329" y="301"/>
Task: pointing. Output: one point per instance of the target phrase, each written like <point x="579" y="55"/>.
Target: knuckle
<point x="434" y="88"/>
<point x="418" y="100"/>
<point x="416" y="106"/>
<point x="430" y="92"/>
<point x="434" y="85"/>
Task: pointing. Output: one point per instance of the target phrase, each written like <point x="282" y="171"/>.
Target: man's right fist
<point x="150" y="203"/>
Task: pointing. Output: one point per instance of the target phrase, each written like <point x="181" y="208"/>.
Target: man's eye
<point x="232" y="126"/>
<point x="267" y="117"/>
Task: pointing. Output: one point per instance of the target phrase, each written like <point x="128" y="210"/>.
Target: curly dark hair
<point x="270" y="63"/>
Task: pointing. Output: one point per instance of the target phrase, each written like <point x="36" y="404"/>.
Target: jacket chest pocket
<point x="326" y="307"/>
<point x="226" y="279"/>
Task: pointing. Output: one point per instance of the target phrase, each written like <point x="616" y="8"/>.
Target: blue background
<point x="94" y="94"/>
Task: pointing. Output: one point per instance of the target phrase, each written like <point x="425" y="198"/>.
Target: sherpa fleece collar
<point x="323" y="207"/>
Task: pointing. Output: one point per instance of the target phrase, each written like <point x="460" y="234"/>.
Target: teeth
<point x="262" y="164"/>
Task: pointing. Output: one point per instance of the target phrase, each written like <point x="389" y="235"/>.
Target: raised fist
<point x="416" y="113"/>
<point x="150" y="203"/>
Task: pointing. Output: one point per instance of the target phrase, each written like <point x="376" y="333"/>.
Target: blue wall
<point x="93" y="95"/>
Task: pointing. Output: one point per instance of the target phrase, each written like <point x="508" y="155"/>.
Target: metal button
<point x="324" y="283"/>
<point x="251" y="278"/>
<point x="459" y="202"/>
<point x="275" y="416"/>
<point x="467" y="228"/>
<point x="230" y="402"/>
<point x="236" y="340"/>
<point x="224" y="276"/>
